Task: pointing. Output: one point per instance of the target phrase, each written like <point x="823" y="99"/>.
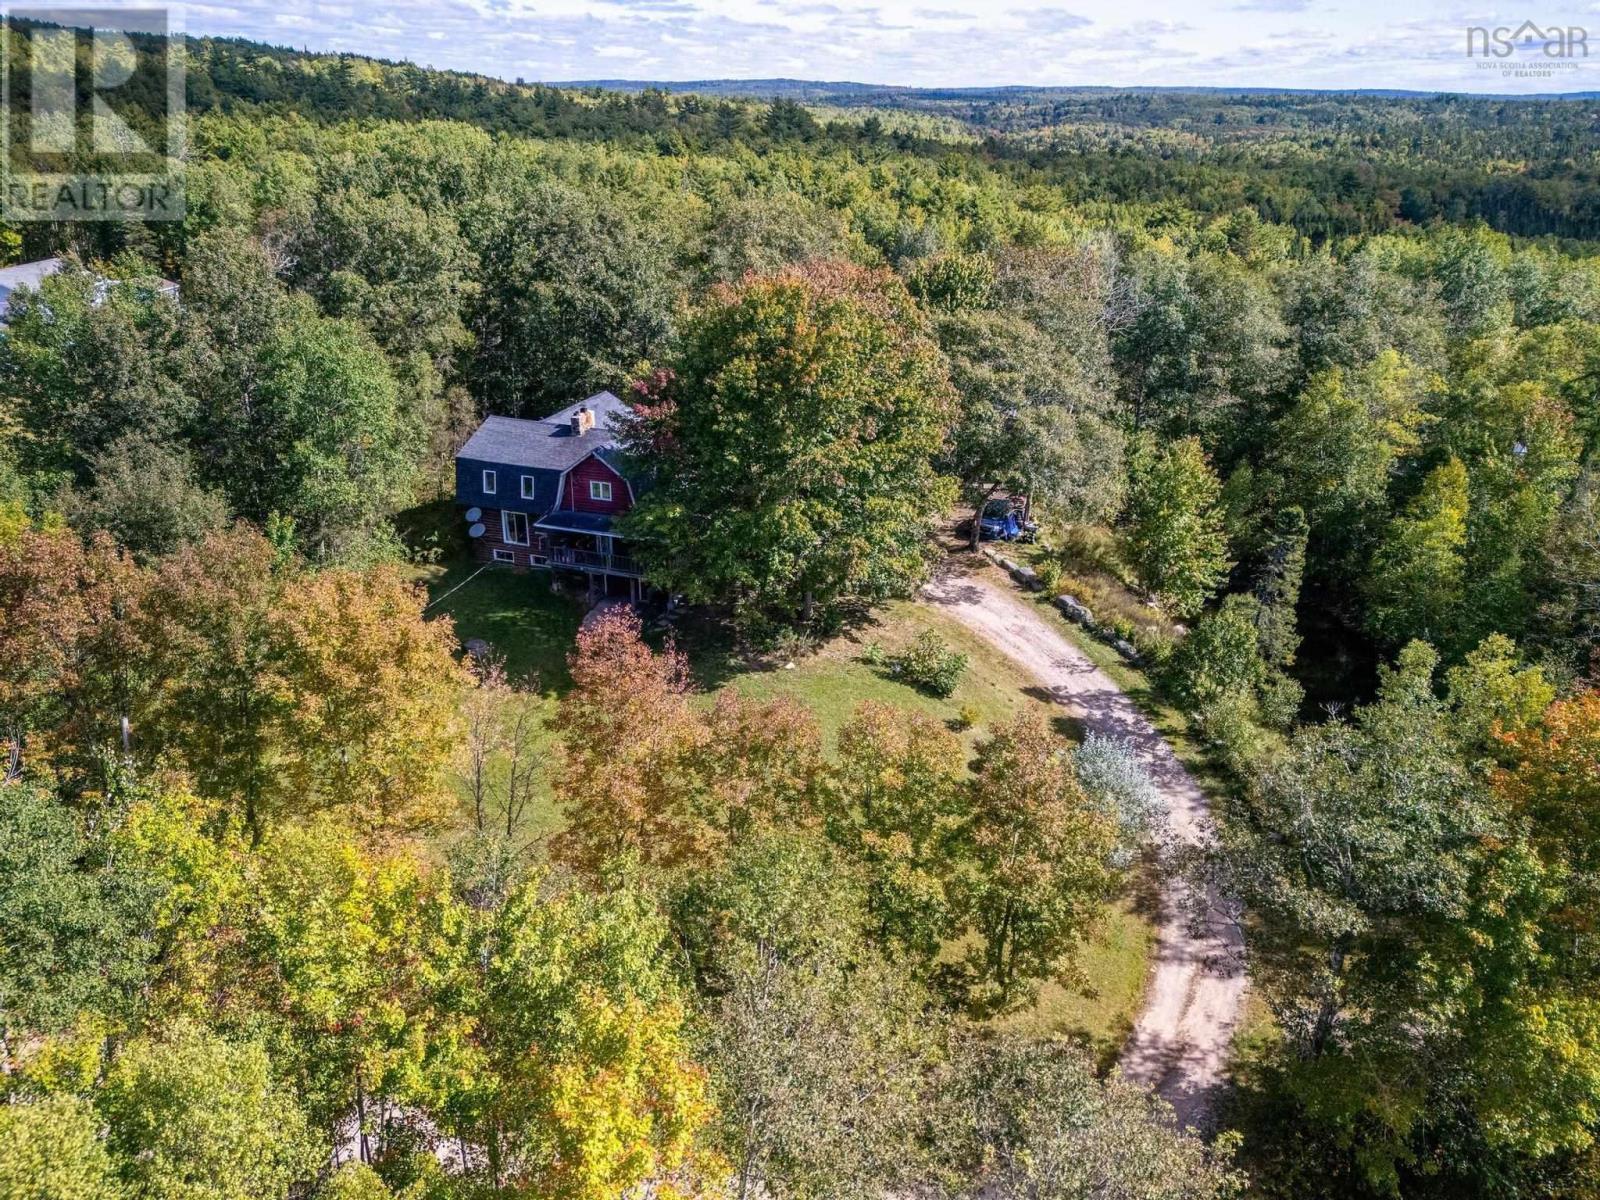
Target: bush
<point x="1220" y="658"/>
<point x="1233" y="728"/>
<point x="1048" y="572"/>
<point x="1111" y="772"/>
<point x="968" y="716"/>
<point x="1155" y="646"/>
<point x="930" y="665"/>
<point x="788" y="644"/>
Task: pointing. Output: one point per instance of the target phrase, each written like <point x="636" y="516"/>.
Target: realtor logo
<point x="91" y="114"/>
<point x="1552" y="41"/>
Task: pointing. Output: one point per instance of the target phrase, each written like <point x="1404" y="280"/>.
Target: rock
<point x="1075" y="610"/>
<point x="1026" y="576"/>
<point x="477" y="647"/>
<point x="1125" y="648"/>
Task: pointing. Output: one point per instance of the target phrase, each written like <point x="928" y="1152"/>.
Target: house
<point x="32" y="274"/>
<point x="546" y="494"/>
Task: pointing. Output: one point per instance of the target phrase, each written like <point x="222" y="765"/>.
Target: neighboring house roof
<point x="33" y="274"/>
<point x="28" y="275"/>
<point x="549" y="444"/>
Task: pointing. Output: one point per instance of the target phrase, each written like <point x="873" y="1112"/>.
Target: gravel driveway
<point x="1179" y="1044"/>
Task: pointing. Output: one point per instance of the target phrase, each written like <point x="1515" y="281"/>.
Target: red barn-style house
<point x="546" y="493"/>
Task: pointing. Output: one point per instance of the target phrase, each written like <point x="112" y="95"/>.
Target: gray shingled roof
<point x="32" y="275"/>
<point x="575" y="522"/>
<point x="29" y="275"/>
<point x="549" y="443"/>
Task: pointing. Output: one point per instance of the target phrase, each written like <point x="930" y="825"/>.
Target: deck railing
<point x="589" y="560"/>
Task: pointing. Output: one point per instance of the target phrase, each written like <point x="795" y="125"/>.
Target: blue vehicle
<point x="1003" y="520"/>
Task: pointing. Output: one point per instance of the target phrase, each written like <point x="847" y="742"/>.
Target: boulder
<point x="1075" y="610"/>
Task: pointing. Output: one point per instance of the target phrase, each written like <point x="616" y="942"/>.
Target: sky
<point x="943" y="43"/>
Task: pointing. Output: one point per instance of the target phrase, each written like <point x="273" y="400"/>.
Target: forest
<point x="1304" y="392"/>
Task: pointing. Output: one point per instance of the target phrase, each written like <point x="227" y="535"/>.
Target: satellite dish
<point x="474" y="514"/>
<point x="476" y="531"/>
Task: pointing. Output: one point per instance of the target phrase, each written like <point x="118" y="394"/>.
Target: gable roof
<point x="28" y="275"/>
<point x="31" y="275"/>
<point x="549" y="444"/>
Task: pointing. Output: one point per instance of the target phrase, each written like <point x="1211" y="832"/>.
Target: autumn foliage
<point x="276" y="689"/>
<point x="648" y="773"/>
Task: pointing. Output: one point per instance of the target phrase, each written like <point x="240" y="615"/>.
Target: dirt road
<point x="1179" y="1044"/>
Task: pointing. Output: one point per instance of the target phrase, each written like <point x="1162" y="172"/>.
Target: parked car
<point x="1003" y="520"/>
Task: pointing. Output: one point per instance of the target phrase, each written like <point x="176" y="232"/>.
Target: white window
<point x="504" y="556"/>
<point x="514" y="527"/>
<point x="489" y="482"/>
<point x="599" y="489"/>
<point x="538" y="560"/>
<point x="527" y="487"/>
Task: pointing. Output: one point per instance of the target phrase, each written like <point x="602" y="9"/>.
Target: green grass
<point x="517" y="615"/>
<point x="1115" y="966"/>
<point x="838" y="677"/>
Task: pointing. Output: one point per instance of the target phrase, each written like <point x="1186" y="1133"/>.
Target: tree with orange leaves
<point x="1554" y="786"/>
<point x="286" y="691"/>
<point x="64" y="660"/>
<point x="627" y="728"/>
<point x="646" y="773"/>
<point x="372" y="692"/>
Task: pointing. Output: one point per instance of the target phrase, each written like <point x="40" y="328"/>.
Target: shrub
<point x="1155" y="645"/>
<point x="1048" y="572"/>
<point x="1220" y="658"/>
<point x="968" y="716"/>
<point x="788" y="645"/>
<point x="1112" y="774"/>
<point x="1233" y="727"/>
<point x="930" y="665"/>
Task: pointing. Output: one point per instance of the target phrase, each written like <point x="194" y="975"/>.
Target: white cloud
<point x="946" y="43"/>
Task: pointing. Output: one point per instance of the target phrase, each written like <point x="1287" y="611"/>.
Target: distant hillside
<point x="844" y="91"/>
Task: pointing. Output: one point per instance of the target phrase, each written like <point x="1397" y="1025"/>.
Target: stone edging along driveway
<point x="1179" y="1045"/>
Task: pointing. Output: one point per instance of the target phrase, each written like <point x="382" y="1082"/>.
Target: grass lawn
<point x="838" y="677"/>
<point x="517" y="615"/>
<point x="534" y="629"/>
<point x="1100" y="1013"/>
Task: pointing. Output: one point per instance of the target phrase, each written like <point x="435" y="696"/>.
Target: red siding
<point x="575" y="492"/>
<point x="483" y="548"/>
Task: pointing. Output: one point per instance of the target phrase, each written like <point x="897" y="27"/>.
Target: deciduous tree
<point x="1175" y="540"/>
<point x="1040" y="869"/>
<point x="794" y="448"/>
